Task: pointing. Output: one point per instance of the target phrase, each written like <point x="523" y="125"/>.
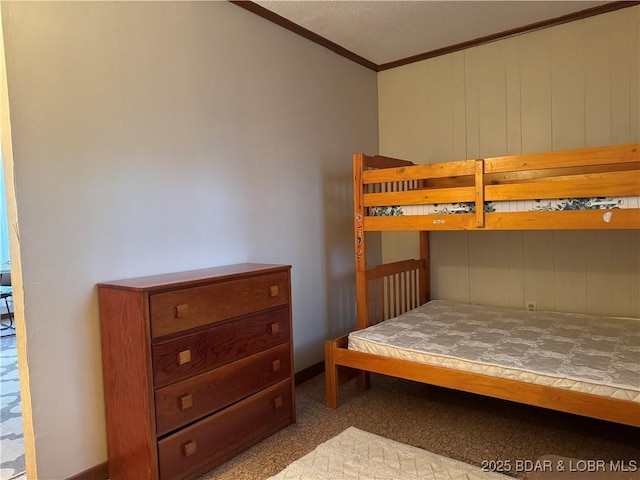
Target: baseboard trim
<point x="97" y="472"/>
<point x="309" y="372"/>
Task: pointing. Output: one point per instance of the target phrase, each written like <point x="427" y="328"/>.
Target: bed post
<point x="362" y="304"/>
<point x="425" y="270"/>
<point x="330" y="375"/>
<point x="359" y="242"/>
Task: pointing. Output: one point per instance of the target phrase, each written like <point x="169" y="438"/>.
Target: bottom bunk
<point x="580" y="364"/>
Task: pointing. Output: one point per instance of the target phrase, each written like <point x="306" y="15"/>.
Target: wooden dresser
<point x="197" y="367"/>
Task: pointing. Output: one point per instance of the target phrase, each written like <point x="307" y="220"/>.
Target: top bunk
<point x="588" y="188"/>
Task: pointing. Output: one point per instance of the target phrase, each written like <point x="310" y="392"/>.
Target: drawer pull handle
<point x="189" y="449"/>
<point x="275" y="365"/>
<point x="277" y="402"/>
<point x="273" y="291"/>
<point x="186" y="402"/>
<point x="182" y="310"/>
<point x="184" y="357"/>
<point x="274" y="328"/>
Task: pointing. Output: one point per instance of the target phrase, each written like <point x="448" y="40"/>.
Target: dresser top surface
<point x="193" y="277"/>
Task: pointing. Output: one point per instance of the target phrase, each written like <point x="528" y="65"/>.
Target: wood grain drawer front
<point x="215" y="439"/>
<point x="181" y="310"/>
<point x="195" y="397"/>
<point x="192" y="354"/>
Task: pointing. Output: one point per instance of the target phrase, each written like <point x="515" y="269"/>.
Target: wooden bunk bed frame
<point x="391" y="289"/>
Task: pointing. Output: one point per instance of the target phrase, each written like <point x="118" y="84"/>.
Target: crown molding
<point x="303" y="32"/>
<point x="314" y="37"/>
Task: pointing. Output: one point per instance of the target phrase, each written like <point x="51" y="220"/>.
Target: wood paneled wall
<point x="569" y="86"/>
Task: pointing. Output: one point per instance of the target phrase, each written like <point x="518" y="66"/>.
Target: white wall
<point x="570" y="86"/>
<point x="155" y="137"/>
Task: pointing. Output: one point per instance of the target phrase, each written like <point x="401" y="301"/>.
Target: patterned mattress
<point x="597" y="355"/>
<point x="596" y="203"/>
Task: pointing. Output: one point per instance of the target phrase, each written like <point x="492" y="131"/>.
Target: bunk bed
<point x="591" y="188"/>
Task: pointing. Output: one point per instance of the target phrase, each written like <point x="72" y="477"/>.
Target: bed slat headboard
<point x="393" y="289"/>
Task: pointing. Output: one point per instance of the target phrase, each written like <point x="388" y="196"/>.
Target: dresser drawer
<point x="183" y="309"/>
<point x="213" y="440"/>
<point x="183" y="402"/>
<point x="182" y="357"/>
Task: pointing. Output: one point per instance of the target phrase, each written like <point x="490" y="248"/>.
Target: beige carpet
<point x="356" y="454"/>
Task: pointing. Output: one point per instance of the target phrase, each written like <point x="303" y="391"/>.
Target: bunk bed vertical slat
<point x="412" y="290"/>
<point x="425" y="270"/>
<point x="380" y="298"/>
<point x="480" y="193"/>
<point x="387" y="296"/>
<point x="405" y="291"/>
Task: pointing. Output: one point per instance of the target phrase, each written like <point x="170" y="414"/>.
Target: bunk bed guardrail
<point x="593" y="175"/>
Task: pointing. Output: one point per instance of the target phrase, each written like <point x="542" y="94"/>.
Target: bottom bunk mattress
<point x="585" y="353"/>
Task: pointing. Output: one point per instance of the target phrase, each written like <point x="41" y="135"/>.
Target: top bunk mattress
<point x="585" y="353"/>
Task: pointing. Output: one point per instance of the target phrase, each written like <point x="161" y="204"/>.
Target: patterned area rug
<point x="12" y="460"/>
<point x="356" y="454"/>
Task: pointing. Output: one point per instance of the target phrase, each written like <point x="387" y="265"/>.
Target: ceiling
<point x="383" y="32"/>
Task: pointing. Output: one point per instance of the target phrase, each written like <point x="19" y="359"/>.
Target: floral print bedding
<point x="593" y="203"/>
